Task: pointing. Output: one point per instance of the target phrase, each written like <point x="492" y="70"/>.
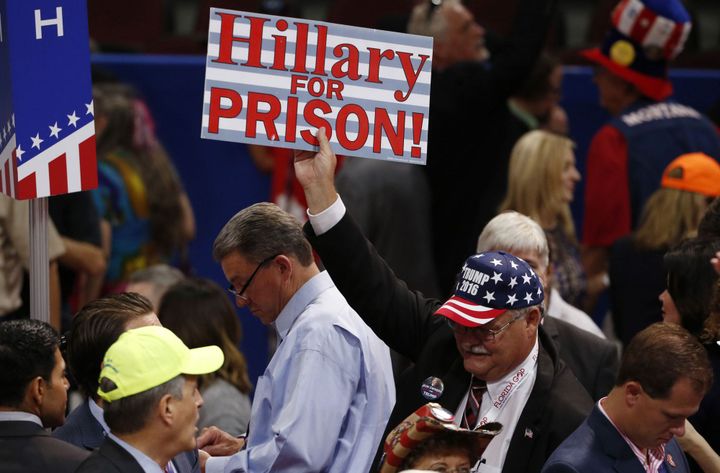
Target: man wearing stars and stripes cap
<point x="482" y="352"/>
<point x="488" y="285"/>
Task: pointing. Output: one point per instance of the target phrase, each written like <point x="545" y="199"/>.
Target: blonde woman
<point x="541" y="184"/>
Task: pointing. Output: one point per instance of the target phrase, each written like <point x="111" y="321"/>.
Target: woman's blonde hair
<point x="669" y="216"/>
<point x="535" y="178"/>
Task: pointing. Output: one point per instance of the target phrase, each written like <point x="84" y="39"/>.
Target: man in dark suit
<point x="664" y="374"/>
<point x="593" y="360"/>
<point x="149" y="387"/>
<point x="33" y="395"/>
<point x="468" y="105"/>
<point x="555" y="403"/>
<point x="97" y="326"/>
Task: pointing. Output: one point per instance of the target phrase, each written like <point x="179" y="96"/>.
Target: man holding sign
<point x="481" y="354"/>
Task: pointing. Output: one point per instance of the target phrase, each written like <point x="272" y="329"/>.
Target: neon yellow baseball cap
<point x="146" y="357"/>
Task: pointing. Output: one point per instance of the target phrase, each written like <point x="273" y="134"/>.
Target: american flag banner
<point x="47" y="128"/>
<point x="273" y="81"/>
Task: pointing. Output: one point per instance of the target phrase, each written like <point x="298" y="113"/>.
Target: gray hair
<point x="160" y="274"/>
<point x="160" y="277"/>
<point x="435" y="26"/>
<point x="512" y="231"/>
<point x="261" y="231"/>
<point x="525" y="311"/>
<point x="130" y="414"/>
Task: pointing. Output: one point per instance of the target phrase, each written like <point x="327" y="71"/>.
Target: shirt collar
<point x="494" y="388"/>
<point x="528" y="118"/>
<point x="146" y="463"/>
<point x="299" y="301"/>
<point x="97" y="413"/>
<point x="655" y="456"/>
<point x="20" y="416"/>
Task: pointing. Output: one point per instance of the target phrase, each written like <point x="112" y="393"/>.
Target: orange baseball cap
<point x="693" y="172"/>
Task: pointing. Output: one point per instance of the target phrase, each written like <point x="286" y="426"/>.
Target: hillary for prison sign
<point x="273" y="81"/>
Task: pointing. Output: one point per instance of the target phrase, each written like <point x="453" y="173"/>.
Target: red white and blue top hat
<point x="645" y="35"/>
<point x="488" y="285"/>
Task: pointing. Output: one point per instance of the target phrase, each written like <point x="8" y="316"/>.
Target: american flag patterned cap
<point x="663" y="24"/>
<point x="645" y="35"/>
<point x="490" y="284"/>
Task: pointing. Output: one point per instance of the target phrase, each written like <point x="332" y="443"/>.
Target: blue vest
<point x="656" y="133"/>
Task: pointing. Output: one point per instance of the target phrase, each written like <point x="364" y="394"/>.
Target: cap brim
<point x="467" y="313"/>
<point x="655" y="88"/>
<point x="203" y="360"/>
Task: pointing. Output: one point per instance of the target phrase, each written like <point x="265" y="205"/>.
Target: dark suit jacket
<point x="404" y="320"/>
<point x="593" y="360"/>
<point x="597" y="447"/>
<point x="468" y="106"/>
<point x="110" y="458"/>
<point x="25" y="447"/>
<point x="83" y="430"/>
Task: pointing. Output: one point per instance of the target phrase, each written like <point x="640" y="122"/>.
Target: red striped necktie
<point x="472" y="408"/>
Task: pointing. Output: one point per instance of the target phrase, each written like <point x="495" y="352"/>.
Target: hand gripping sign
<point x="47" y="130"/>
<point x="273" y="81"/>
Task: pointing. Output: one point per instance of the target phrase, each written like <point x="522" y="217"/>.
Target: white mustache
<point x="476" y="349"/>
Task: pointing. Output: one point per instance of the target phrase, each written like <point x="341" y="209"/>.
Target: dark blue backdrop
<point x="221" y="179"/>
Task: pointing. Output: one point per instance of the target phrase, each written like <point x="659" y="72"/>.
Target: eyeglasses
<point x="485" y="334"/>
<point x="240" y="294"/>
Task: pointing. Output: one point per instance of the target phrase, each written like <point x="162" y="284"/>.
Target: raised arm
<point x="400" y="317"/>
<point x="316" y="173"/>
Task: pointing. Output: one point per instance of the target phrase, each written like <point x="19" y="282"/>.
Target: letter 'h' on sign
<point x="47" y="127"/>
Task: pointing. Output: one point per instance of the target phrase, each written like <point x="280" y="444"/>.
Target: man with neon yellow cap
<point x="149" y="385"/>
<point x="627" y="156"/>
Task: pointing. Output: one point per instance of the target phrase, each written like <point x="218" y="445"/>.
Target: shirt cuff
<point x="216" y="464"/>
<point x="328" y="218"/>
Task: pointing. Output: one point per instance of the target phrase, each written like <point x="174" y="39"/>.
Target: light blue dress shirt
<point x="98" y="413"/>
<point x="325" y="398"/>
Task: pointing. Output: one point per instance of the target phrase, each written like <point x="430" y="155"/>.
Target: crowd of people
<point x="376" y="369"/>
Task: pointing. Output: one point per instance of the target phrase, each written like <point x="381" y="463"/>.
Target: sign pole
<point x="39" y="261"/>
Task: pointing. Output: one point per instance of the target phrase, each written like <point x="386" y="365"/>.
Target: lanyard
<point x="491" y="410"/>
